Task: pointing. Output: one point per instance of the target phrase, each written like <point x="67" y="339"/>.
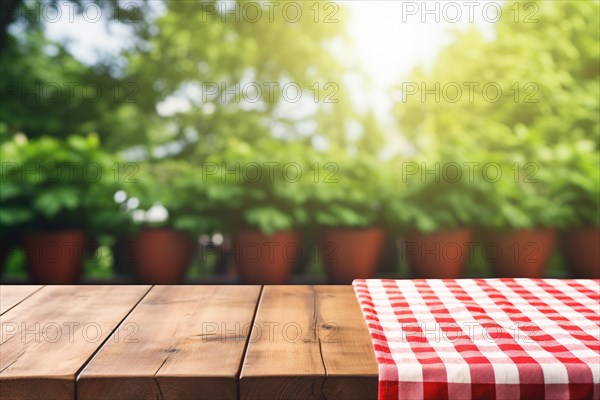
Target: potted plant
<point x="346" y="206"/>
<point x="259" y="207"/>
<point x="163" y="205"/>
<point x="577" y="183"/>
<point x="53" y="182"/>
<point x="522" y="215"/>
<point x="436" y="213"/>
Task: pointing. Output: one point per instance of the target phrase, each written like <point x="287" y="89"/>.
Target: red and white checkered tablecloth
<point x="484" y="338"/>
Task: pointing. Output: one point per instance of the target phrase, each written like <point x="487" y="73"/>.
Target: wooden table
<point x="184" y="342"/>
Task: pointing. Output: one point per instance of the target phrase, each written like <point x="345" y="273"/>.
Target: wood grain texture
<point x="309" y="342"/>
<point x="283" y="360"/>
<point x="11" y="295"/>
<point x="189" y="345"/>
<point x="49" y="337"/>
<point x="352" y="371"/>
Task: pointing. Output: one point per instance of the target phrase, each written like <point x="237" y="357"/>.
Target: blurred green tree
<point x="526" y="100"/>
<point x="239" y="69"/>
<point x="245" y="71"/>
<point x="45" y="90"/>
<point x="540" y="71"/>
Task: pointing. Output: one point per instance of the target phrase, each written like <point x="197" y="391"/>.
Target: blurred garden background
<point x="224" y="141"/>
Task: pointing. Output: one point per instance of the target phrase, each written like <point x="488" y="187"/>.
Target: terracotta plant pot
<point x="350" y="254"/>
<point x="162" y="256"/>
<point x="441" y="255"/>
<point x="55" y="258"/>
<point x="519" y="254"/>
<point x="581" y="249"/>
<point x="266" y="259"/>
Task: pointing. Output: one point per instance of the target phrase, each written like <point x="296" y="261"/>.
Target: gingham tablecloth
<point x="484" y="338"/>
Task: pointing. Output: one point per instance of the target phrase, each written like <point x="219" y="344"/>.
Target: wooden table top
<point x="184" y="342"/>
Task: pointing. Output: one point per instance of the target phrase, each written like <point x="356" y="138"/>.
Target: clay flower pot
<point x="266" y="259"/>
<point x="350" y="254"/>
<point x="440" y="255"/>
<point x="55" y="258"/>
<point x="581" y="249"/>
<point x="519" y="254"/>
<point x="161" y="256"/>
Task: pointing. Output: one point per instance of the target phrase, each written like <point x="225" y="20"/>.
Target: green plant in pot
<point x="521" y="216"/>
<point x="434" y="205"/>
<point x="260" y="206"/>
<point x="49" y="191"/>
<point x="164" y="206"/>
<point x="346" y="204"/>
<point x="577" y="188"/>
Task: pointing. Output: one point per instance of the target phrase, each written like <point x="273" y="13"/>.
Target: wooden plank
<point x="283" y="360"/>
<point x="309" y="342"/>
<point x="346" y="346"/>
<point x="190" y="344"/>
<point x="11" y="295"/>
<point x="47" y="339"/>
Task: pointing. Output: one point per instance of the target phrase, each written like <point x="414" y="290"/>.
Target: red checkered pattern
<point x="484" y="338"/>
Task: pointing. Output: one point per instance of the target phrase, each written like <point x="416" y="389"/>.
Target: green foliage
<point x="520" y="198"/>
<point x="548" y="72"/>
<point x="576" y="183"/>
<point x="175" y="54"/>
<point x="275" y="186"/>
<point x="177" y="186"/>
<point x="257" y="187"/>
<point x="543" y="132"/>
<point x="348" y="192"/>
<point x="435" y="196"/>
<point x="194" y="50"/>
<point x="519" y="179"/>
<point x="50" y="184"/>
<point x="45" y="91"/>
